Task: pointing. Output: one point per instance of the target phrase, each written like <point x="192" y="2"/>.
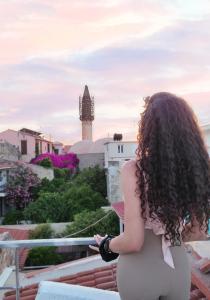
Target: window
<point x="23" y="147"/>
<point x="121" y="148"/>
<point x="48" y="148"/>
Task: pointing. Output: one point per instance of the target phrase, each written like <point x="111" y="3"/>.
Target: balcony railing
<point x="17" y="245"/>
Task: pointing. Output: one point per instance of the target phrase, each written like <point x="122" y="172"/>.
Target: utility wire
<point x="89" y="226"/>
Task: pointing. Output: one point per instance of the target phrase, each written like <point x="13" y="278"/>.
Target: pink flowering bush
<point x="68" y="161"/>
<point x="20" y="184"/>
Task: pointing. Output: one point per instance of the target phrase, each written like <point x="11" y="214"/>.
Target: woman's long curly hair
<point x="173" y="167"/>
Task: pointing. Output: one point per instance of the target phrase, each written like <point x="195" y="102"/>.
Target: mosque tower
<point x="86" y="113"/>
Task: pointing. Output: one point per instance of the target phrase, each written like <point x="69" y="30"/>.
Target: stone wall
<point x="91" y="160"/>
<point x="7" y="256"/>
<point x="42" y="172"/>
<point x="8" y="151"/>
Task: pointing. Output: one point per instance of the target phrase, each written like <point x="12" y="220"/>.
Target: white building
<point x="116" y="153"/>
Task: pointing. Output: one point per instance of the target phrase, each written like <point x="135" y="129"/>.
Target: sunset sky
<point x="123" y="50"/>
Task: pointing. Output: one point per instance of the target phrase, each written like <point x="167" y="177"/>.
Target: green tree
<point x="108" y="225"/>
<point x="62" y="206"/>
<point x="93" y="176"/>
<point x="49" y="207"/>
<point x="81" y="198"/>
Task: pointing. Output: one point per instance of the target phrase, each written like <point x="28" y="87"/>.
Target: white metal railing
<point x="18" y="244"/>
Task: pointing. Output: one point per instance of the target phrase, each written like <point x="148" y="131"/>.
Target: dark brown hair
<point x="173" y="167"/>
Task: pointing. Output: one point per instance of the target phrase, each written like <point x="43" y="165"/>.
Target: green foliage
<point x="63" y="173"/>
<point x="55" y="185"/>
<point x="49" y="207"/>
<point x="81" y="198"/>
<point x="46" y="163"/>
<point x="13" y="217"/>
<point x="109" y="225"/>
<point x="42" y="231"/>
<point x="93" y="176"/>
<point x="42" y="256"/>
<point x="62" y="206"/>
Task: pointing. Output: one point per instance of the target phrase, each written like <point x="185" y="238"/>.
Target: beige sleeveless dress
<point x="157" y="271"/>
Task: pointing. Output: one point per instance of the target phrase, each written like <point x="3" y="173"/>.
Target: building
<point x="5" y="169"/>
<point x="9" y="152"/>
<point x="86" y="113"/>
<point x="90" y="153"/>
<point x="58" y="147"/>
<point x="116" y="153"/>
<point x="30" y="143"/>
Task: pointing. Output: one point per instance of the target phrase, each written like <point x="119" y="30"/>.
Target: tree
<point x="20" y="184"/>
<point x="83" y="197"/>
<point x="62" y="206"/>
<point x="109" y="225"/>
<point x="95" y="177"/>
<point x="49" y="207"/>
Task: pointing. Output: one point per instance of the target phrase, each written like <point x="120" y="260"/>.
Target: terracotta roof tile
<point x="18" y="234"/>
<point x="105" y="278"/>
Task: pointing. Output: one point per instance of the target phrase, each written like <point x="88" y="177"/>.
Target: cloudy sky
<point x="123" y="49"/>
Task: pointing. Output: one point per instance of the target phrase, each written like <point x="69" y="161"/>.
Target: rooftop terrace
<point x="85" y="272"/>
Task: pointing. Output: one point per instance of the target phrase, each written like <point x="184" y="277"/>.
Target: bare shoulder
<point x="129" y="167"/>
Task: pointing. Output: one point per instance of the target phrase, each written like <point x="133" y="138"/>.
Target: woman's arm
<point x="132" y="239"/>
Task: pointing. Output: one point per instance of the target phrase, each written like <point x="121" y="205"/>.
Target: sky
<point x="123" y="50"/>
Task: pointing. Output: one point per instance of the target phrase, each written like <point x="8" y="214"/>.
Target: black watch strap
<point x="105" y="254"/>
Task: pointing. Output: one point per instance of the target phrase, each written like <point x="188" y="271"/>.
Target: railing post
<point x="121" y="225"/>
<point x="17" y="273"/>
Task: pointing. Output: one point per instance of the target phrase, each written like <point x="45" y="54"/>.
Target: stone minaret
<point x="86" y="113"/>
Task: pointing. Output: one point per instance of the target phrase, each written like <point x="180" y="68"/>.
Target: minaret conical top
<point x="86" y="113"/>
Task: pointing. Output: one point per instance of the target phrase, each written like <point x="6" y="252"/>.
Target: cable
<point x="89" y="226"/>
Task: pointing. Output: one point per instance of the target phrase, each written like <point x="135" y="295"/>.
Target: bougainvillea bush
<point x="20" y="184"/>
<point x="68" y="161"/>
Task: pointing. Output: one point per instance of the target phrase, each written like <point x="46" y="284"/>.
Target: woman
<point x="166" y="196"/>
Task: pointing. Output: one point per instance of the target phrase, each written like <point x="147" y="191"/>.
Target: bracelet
<point x="106" y="253"/>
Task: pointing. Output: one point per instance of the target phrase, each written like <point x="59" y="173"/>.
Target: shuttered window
<point x="23" y="147"/>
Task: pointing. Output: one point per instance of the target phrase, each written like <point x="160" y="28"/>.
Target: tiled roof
<point x="105" y="278"/>
<point x="102" y="278"/>
<point x="18" y="234"/>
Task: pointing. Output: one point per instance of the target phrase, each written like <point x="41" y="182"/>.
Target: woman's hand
<point x="98" y="239"/>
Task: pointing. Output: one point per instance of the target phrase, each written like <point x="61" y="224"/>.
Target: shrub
<point x="69" y="160"/>
<point x="13" y="217"/>
<point x="42" y="231"/>
<point x="109" y="225"/>
<point x="62" y="173"/>
<point x="46" y="163"/>
<point x="42" y="256"/>
<point x="20" y="185"/>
